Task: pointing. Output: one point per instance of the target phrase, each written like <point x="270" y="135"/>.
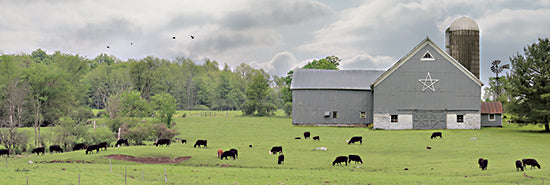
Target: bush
<point x="200" y="107"/>
<point x="288" y="108"/>
<point x="102" y="134"/>
<point x="102" y="114"/>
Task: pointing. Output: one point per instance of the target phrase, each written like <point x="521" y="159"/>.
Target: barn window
<point x="427" y="56"/>
<point x="460" y="118"/>
<point x="363" y="115"/>
<point x="334" y="114"/>
<point x="491" y="117"/>
<point x="394" y="118"/>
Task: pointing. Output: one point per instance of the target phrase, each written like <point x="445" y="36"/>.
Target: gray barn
<point x="426" y="89"/>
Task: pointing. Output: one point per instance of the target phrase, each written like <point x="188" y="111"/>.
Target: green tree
<point x="165" y="105"/>
<point x="256" y="95"/>
<point x="530" y="84"/>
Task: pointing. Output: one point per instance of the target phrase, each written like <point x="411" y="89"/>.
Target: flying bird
<point x="192" y="37"/>
<point x="131" y="43"/>
<point x="108" y="47"/>
<point x="174" y="38"/>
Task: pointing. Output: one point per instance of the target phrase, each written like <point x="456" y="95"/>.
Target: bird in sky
<point x="174" y="37"/>
<point x="192" y="37"/>
<point x="108" y="47"/>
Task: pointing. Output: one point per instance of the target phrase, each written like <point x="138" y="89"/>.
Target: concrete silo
<point x="462" y="43"/>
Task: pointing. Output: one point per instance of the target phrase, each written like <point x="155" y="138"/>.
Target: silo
<point x="462" y="43"/>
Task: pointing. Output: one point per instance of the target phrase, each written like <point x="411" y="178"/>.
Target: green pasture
<point x="386" y="153"/>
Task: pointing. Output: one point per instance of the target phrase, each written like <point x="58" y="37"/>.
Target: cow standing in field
<point x="55" y="148"/>
<point x="102" y="145"/>
<point x="199" y="143"/>
<point x="340" y="159"/>
<point x="483" y="163"/>
<point x="220" y="152"/>
<point x="121" y="141"/>
<point x="229" y="153"/>
<point x="281" y="159"/>
<point x="38" y="150"/>
<point x="436" y="134"/>
<point x="79" y="146"/>
<point x="532" y="162"/>
<point x="356" y="139"/>
<point x="306" y="135"/>
<point x="519" y="165"/>
<point x="315" y="137"/>
<point x="91" y="148"/>
<point x="4" y="152"/>
<point x="355" y="158"/>
<point x="184" y="141"/>
<point x="163" y="142"/>
<point x="276" y="149"/>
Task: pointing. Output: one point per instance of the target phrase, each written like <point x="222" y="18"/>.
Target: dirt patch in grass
<point x="148" y="160"/>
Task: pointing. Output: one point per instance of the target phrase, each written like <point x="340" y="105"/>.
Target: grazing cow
<point x="356" y="139"/>
<point x="355" y="158"/>
<point x="340" y="159"/>
<point x="519" y="165"/>
<point x="235" y="151"/>
<point x="484" y="164"/>
<point x="163" y="142"/>
<point x="55" y="148"/>
<point x="121" y="141"/>
<point x="250" y="146"/>
<point x="220" y="152"/>
<point x="4" y="152"/>
<point x="229" y="153"/>
<point x="79" y="146"/>
<point x="200" y="142"/>
<point x="276" y="149"/>
<point x="38" y="150"/>
<point x="532" y="162"/>
<point x="436" y="134"/>
<point x="297" y="138"/>
<point x="91" y="148"/>
<point x="306" y="135"/>
<point x="281" y="159"/>
<point x="315" y="137"/>
<point x="479" y="162"/>
<point x="184" y="141"/>
<point x="102" y="145"/>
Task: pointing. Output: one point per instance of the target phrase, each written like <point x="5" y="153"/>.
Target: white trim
<point x="489" y="117"/>
<point x="431" y="57"/>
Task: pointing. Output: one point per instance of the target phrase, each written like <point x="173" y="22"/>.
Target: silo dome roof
<point x="464" y="23"/>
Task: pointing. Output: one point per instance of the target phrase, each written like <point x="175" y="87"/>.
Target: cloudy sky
<point x="276" y="35"/>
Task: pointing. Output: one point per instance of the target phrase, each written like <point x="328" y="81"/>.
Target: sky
<point x="276" y="35"/>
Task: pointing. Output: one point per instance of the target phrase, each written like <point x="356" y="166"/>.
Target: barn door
<point x="429" y="119"/>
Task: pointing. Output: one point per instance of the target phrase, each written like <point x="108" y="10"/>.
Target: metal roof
<point x="491" y="107"/>
<point x="464" y="23"/>
<point x="334" y="79"/>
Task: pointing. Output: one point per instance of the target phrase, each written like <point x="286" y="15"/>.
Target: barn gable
<point x="427" y="89"/>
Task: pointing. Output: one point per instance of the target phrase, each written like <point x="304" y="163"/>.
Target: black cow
<point x="355" y="158"/>
<point x="229" y="153"/>
<point x="4" y="152"/>
<point x="479" y="161"/>
<point x="276" y="149"/>
<point x="55" y="148"/>
<point x="519" y="165"/>
<point x="281" y="159"/>
<point x="297" y="138"/>
<point x="315" y="137"/>
<point x="436" y="134"/>
<point x="163" y="142"/>
<point x="306" y="135"/>
<point x="532" y="162"/>
<point x="356" y="139"/>
<point x="121" y="141"/>
<point x="91" y="148"/>
<point x="200" y="142"/>
<point x="340" y="159"/>
<point x="38" y="150"/>
<point x="102" y="145"/>
<point x="184" y="141"/>
<point x="484" y="164"/>
<point x="235" y="151"/>
<point x="79" y="146"/>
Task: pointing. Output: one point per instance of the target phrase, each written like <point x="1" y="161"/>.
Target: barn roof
<point x="334" y="79"/>
<point x="491" y="107"/>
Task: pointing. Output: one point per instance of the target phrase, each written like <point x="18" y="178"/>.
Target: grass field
<point x="386" y="153"/>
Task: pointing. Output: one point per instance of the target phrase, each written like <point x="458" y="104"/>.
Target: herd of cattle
<point x="233" y="153"/>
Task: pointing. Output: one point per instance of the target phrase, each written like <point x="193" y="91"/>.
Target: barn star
<point x="428" y="82"/>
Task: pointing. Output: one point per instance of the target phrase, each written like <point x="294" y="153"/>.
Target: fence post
<point x="142" y="176"/>
<point x="7" y="161"/>
<point x="165" y="177"/>
<point x="79" y="179"/>
<point x="27" y="180"/>
<point x="125" y="174"/>
<point x="110" y="166"/>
